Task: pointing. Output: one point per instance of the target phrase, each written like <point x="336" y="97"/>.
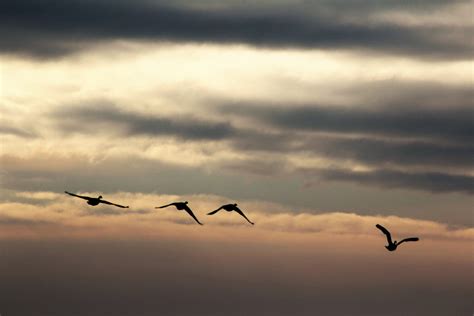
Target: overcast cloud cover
<point x="320" y="118"/>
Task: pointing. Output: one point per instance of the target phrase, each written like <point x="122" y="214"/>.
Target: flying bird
<point x="182" y="206"/>
<point x="230" y="208"/>
<point x="95" y="201"/>
<point x="393" y="245"/>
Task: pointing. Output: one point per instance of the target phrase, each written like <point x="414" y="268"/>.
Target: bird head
<point x="185" y="202"/>
<point x="100" y="196"/>
<point x="235" y="204"/>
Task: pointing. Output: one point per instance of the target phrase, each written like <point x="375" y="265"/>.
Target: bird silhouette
<point x="95" y="201"/>
<point x="230" y="208"/>
<point x="393" y="245"/>
<point x="182" y="206"/>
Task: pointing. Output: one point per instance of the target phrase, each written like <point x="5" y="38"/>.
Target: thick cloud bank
<point x="52" y="28"/>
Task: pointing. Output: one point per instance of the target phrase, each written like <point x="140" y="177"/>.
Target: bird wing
<point x="163" y="206"/>
<point x="110" y="203"/>
<point x="409" y="239"/>
<point x="79" y="196"/>
<point x="238" y="210"/>
<point x="188" y="210"/>
<point x="386" y="232"/>
<point x="214" y="212"/>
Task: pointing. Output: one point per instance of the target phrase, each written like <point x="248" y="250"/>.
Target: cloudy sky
<point x="320" y="118"/>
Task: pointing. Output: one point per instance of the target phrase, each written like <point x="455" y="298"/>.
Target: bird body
<point x="392" y="245"/>
<point x="181" y="206"/>
<point x="94" y="201"/>
<point x="230" y="208"/>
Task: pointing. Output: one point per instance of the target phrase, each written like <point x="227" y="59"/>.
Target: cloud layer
<point x="427" y="149"/>
<point x="28" y="212"/>
<point x="108" y="116"/>
<point x="49" y="28"/>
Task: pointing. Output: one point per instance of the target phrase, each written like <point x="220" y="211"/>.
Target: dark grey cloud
<point x="454" y="124"/>
<point x="412" y="153"/>
<point x="51" y="28"/>
<point x="356" y="7"/>
<point x="262" y="166"/>
<point x="370" y="151"/>
<point x="387" y="121"/>
<point x="433" y="181"/>
<point x="405" y="94"/>
<point x="411" y="158"/>
<point x="105" y="117"/>
<point x="410" y="125"/>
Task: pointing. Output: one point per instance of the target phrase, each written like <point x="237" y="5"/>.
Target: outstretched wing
<point x="188" y="210"/>
<point x="110" y="203"/>
<point x="386" y="232"/>
<point x="79" y="196"/>
<point x="163" y="206"/>
<point x="409" y="239"/>
<point x="214" y="212"/>
<point x="238" y="210"/>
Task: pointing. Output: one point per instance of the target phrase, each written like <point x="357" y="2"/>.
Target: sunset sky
<point x="319" y="118"/>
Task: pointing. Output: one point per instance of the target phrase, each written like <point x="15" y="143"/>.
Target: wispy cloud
<point x="5" y="129"/>
<point x="71" y="120"/>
